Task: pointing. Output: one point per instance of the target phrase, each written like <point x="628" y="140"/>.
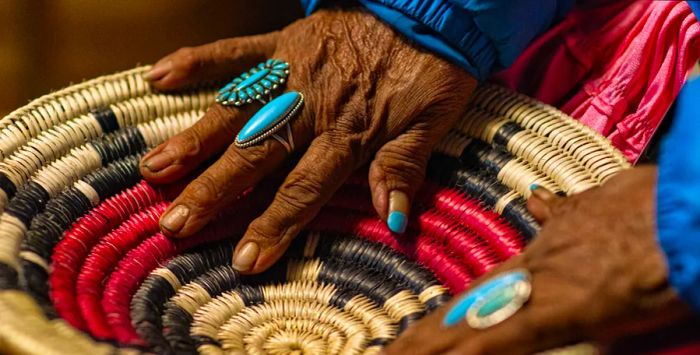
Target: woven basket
<point x="84" y="270"/>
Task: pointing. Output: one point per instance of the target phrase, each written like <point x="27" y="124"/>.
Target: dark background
<point x="48" y="44"/>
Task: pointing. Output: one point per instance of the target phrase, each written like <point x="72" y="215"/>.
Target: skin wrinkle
<point x="597" y="273"/>
<point x="368" y="93"/>
<point x="412" y="170"/>
<point x="220" y="58"/>
<point x="222" y="117"/>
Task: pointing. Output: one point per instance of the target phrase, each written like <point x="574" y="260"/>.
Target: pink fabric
<point x="617" y="66"/>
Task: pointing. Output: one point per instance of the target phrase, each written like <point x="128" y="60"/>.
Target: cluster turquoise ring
<point x="256" y="84"/>
<point x="492" y="302"/>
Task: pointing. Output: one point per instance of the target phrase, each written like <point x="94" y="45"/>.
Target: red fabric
<point x="692" y="349"/>
<point x="617" y="66"/>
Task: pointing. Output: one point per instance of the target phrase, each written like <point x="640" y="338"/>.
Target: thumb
<point x="397" y="171"/>
<point x="218" y="60"/>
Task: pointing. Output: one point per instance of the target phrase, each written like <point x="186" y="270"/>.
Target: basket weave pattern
<point x="80" y="250"/>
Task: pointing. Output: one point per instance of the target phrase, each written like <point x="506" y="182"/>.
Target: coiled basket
<point x="84" y="270"/>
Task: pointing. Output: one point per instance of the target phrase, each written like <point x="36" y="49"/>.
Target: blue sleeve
<point x="695" y="6"/>
<point x="678" y="196"/>
<point x="478" y="35"/>
<point x="310" y="6"/>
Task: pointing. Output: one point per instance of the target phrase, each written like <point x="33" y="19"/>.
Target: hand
<point x="597" y="273"/>
<point x="369" y="96"/>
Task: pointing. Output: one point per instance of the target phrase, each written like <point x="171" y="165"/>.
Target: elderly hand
<point x="369" y="96"/>
<point x="597" y="273"/>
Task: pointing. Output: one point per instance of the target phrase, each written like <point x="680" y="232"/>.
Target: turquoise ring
<point x="257" y="84"/>
<point x="270" y="119"/>
<point x="493" y="301"/>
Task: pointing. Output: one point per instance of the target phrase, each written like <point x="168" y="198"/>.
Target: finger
<point x="541" y="203"/>
<point x="414" y="341"/>
<point x="234" y="172"/>
<point x="220" y="59"/>
<point x="527" y="332"/>
<point x="543" y="323"/>
<point x="414" y="126"/>
<point x="396" y="173"/>
<point x="185" y="151"/>
<point x="321" y="171"/>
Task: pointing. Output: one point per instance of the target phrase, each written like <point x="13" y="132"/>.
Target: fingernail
<point x="534" y="187"/>
<point x="246" y="257"/>
<point x="543" y="194"/>
<point x="398" y="212"/>
<point x="158" y="71"/>
<point x="175" y="219"/>
<point x="158" y="162"/>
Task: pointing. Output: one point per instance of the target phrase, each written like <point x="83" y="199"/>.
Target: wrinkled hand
<point x="597" y="273"/>
<point x="369" y="96"/>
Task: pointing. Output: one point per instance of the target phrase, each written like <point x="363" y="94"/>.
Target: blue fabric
<point x="678" y="196"/>
<point x="310" y="6"/>
<point x="480" y="56"/>
<point x="695" y="6"/>
<point x="478" y="35"/>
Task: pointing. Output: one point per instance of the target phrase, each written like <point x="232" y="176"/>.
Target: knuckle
<point x="203" y="191"/>
<point x="265" y="229"/>
<point x="408" y="146"/>
<point x="244" y="162"/>
<point x="289" y="200"/>
<point x="221" y="117"/>
<point x="398" y="155"/>
<point x="402" y="164"/>
<point x="187" y="143"/>
<point x="350" y="148"/>
<point x="186" y="59"/>
<point x="299" y="191"/>
<point x="225" y="48"/>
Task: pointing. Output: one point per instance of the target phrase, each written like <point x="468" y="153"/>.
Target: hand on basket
<point x="370" y="96"/>
<point x="596" y="273"/>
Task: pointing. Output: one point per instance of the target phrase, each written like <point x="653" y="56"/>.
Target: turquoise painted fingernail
<point x="534" y="187"/>
<point x="398" y="211"/>
<point x="397" y="222"/>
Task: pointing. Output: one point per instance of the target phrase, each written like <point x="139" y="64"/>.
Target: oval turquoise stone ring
<point x="493" y="301"/>
<point x="256" y="84"/>
<point x="270" y="119"/>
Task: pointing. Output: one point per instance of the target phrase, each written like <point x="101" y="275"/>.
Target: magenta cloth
<point x="616" y="66"/>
